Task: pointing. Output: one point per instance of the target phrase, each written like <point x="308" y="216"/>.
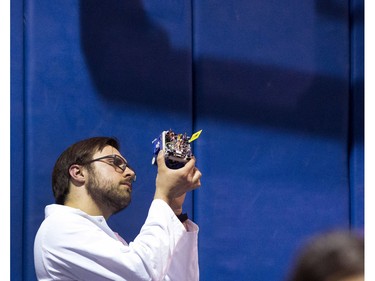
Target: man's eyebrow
<point x="123" y="158"/>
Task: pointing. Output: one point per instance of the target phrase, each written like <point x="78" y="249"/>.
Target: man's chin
<point x="121" y="207"/>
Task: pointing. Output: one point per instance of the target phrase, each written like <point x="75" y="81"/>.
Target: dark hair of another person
<point x="331" y="256"/>
<point x="78" y="153"/>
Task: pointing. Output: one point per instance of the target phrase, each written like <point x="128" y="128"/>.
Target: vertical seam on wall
<point x="352" y="112"/>
<point x="24" y="64"/>
<point x="193" y="88"/>
<point x="350" y="115"/>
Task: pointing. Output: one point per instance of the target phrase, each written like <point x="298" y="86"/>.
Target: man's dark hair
<point x="330" y="256"/>
<point x="77" y="153"/>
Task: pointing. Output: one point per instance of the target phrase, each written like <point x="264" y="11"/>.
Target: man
<point x="91" y="181"/>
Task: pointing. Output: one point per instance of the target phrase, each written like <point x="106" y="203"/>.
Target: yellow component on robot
<point x="195" y="136"/>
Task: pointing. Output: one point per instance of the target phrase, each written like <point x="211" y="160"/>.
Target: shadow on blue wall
<point x="129" y="57"/>
<point x="131" y="60"/>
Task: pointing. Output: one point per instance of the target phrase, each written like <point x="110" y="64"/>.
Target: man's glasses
<point x="114" y="160"/>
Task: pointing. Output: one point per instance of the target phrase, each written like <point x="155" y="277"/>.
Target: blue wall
<point x="277" y="88"/>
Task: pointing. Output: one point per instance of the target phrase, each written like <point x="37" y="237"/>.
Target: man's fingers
<point x="160" y="159"/>
<point x="197" y="177"/>
<point x="190" y="165"/>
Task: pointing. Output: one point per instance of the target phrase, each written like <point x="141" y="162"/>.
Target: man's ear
<point x="77" y="174"/>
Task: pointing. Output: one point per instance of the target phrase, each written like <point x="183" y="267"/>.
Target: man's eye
<point x="118" y="162"/>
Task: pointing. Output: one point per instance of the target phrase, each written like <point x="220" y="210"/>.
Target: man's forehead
<point x="107" y="150"/>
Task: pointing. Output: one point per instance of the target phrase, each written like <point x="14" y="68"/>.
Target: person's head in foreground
<point x="333" y="256"/>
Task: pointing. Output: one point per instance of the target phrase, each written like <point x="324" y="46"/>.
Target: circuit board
<point x="177" y="148"/>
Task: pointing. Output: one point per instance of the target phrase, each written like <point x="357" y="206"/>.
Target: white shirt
<point x="71" y="245"/>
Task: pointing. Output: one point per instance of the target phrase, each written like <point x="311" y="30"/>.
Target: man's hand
<point x="172" y="185"/>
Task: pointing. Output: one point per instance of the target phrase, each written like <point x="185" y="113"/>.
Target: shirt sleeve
<point x="71" y="247"/>
<point x="182" y="263"/>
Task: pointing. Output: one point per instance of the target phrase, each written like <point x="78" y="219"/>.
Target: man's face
<point x="108" y="184"/>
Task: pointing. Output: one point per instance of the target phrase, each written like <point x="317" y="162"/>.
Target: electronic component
<point x="176" y="147"/>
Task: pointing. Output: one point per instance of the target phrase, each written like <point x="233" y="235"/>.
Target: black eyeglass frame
<point x="124" y="164"/>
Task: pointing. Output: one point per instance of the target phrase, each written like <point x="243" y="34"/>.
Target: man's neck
<point x="89" y="208"/>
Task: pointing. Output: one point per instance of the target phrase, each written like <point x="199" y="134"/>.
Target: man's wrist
<point x="162" y="197"/>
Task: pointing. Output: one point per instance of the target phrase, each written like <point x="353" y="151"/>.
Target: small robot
<point x="176" y="147"/>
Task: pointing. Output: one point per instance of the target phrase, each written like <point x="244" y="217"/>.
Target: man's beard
<point x="108" y="194"/>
